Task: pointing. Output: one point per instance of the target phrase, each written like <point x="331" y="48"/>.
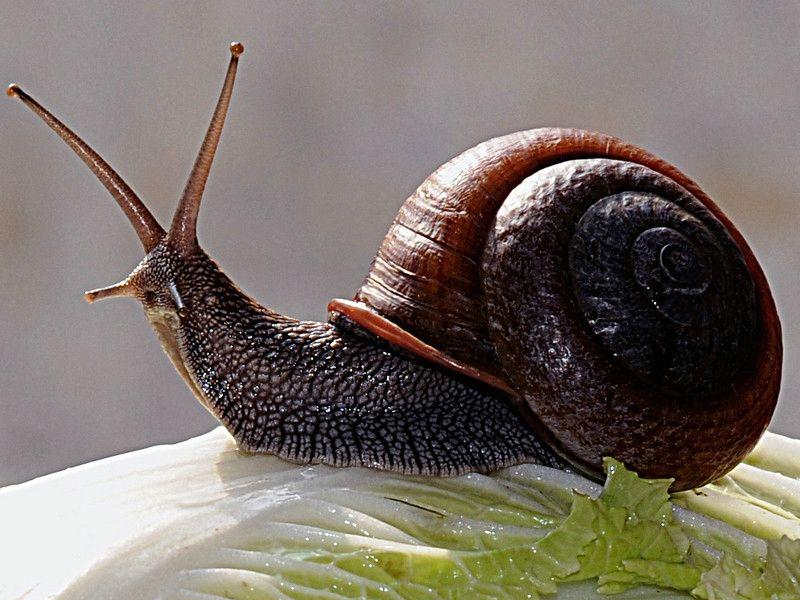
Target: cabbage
<point x="201" y="521"/>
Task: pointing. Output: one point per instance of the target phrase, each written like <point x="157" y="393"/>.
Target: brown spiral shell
<point x="495" y="266"/>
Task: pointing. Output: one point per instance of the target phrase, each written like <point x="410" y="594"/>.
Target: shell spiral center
<point x="665" y="291"/>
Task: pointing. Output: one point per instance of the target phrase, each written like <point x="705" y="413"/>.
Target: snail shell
<point x="598" y="285"/>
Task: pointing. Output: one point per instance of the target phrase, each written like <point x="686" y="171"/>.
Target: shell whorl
<point x="426" y="274"/>
<point x="636" y="322"/>
<point x="664" y="288"/>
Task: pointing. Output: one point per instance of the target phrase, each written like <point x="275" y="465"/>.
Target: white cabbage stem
<point x="199" y="520"/>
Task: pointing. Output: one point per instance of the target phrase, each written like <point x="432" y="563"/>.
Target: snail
<point x="553" y="295"/>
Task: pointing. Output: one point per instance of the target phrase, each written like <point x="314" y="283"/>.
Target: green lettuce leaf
<point x="774" y="577"/>
<point x="782" y="571"/>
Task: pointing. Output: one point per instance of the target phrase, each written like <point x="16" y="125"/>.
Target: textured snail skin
<point x="680" y="385"/>
<point x="317" y="393"/>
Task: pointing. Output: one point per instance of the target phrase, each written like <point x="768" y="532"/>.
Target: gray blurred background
<point x="340" y="110"/>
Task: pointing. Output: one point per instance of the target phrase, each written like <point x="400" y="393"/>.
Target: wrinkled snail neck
<point x="204" y="296"/>
<point x="208" y="323"/>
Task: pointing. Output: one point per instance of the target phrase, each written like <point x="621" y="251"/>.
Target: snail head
<point x="153" y="281"/>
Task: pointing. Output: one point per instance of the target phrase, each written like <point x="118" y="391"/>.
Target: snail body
<point x="553" y="295"/>
<point x="317" y="393"/>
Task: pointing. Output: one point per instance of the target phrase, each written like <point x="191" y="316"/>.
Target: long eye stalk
<point x="145" y="224"/>
<point x="183" y="231"/>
